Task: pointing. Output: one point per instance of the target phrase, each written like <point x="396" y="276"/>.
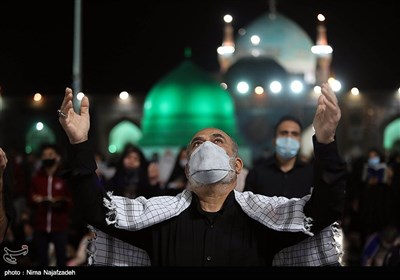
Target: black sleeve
<point x="326" y="204"/>
<point x="88" y="196"/>
<point x="80" y="173"/>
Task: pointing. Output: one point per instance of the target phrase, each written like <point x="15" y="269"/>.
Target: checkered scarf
<point x="277" y="213"/>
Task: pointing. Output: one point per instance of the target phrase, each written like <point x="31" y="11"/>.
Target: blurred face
<point x="132" y="160"/>
<point x="289" y="129"/>
<point x="49" y="154"/>
<point x="49" y="158"/>
<point x="287" y="140"/>
<point x="372" y="154"/>
<point x="373" y="158"/>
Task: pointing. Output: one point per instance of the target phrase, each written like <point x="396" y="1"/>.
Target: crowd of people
<point x="199" y="206"/>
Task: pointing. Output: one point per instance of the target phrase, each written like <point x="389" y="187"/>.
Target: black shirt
<point x="268" y="179"/>
<point x="226" y="238"/>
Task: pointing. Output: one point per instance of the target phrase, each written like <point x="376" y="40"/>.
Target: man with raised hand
<point x="209" y="223"/>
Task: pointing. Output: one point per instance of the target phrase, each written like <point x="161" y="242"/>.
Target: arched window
<point x="391" y="134"/>
<point x="38" y="134"/>
<point x="124" y="132"/>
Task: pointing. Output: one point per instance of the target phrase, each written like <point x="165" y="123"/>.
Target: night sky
<point x="130" y="45"/>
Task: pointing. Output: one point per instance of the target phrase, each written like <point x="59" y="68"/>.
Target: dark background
<point x="130" y="45"/>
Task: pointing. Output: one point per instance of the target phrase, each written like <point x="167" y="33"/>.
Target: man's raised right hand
<point x="75" y="125"/>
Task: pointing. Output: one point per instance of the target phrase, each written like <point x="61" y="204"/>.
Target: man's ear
<point x="238" y="165"/>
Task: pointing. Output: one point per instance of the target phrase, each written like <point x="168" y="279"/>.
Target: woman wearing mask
<point x="51" y="199"/>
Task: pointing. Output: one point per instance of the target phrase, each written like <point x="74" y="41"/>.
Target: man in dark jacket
<point x="210" y="224"/>
<point x="286" y="173"/>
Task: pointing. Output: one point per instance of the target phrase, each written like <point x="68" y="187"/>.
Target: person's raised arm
<point x="327" y="201"/>
<point x="80" y="170"/>
<point x="80" y="163"/>
<point x="3" y="215"/>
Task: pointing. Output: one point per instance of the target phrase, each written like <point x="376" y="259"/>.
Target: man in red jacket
<point x="51" y="200"/>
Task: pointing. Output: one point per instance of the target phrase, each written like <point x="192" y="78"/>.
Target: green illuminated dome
<point x="183" y="102"/>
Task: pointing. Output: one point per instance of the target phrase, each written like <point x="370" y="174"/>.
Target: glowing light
<point x="37" y="97"/>
<point x="321" y="17"/>
<point x="321" y="49"/>
<point x="354" y="91"/>
<point x="317" y="89"/>
<point x="296" y="86"/>
<point x="112" y="149"/>
<point x="228" y="18"/>
<point x="335" y="84"/>
<point x="243" y="87"/>
<point x="275" y="87"/>
<point x="124" y="95"/>
<point x="39" y="126"/>
<point x="255" y="53"/>
<point x="259" y="90"/>
<point x="80" y="95"/>
<point x="226" y="50"/>
<point x="255" y="40"/>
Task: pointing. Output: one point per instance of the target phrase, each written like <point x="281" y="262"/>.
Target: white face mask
<point x="287" y="147"/>
<point x="209" y="164"/>
<point x="374" y="161"/>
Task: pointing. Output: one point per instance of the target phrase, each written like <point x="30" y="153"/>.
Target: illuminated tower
<point x="226" y="50"/>
<point x="323" y="52"/>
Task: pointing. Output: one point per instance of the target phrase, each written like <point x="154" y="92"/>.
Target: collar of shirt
<point x="211" y="216"/>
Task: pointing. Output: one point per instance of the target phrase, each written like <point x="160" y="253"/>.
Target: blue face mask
<point x="374" y="161"/>
<point x="287" y="147"/>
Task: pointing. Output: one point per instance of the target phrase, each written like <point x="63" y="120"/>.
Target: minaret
<point x="227" y="49"/>
<point x="323" y="52"/>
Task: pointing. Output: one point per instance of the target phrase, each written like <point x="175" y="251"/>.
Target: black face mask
<point x="131" y="171"/>
<point x="48" y="162"/>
